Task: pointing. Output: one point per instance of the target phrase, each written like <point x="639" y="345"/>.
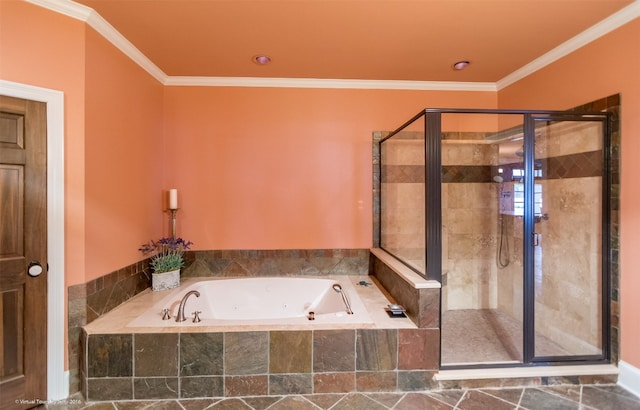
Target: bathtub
<point x="259" y="301"/>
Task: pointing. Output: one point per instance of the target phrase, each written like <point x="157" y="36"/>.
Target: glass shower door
<point x="511" y="212"/>
<point x="567" y="240"/>
<point x="482" y="239"/>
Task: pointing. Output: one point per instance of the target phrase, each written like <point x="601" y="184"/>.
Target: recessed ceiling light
<point x="461" y="65"/>
<point x="261" y="59"/>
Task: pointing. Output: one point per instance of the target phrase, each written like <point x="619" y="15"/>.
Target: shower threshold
<point x="606" y="370"/>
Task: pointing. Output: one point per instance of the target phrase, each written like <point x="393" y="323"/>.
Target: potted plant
<point x="166" y="261"/>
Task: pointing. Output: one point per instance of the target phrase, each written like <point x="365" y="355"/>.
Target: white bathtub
<point x="263" y="301"/>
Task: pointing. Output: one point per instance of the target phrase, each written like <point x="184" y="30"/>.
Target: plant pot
<point x="165" y="280"/>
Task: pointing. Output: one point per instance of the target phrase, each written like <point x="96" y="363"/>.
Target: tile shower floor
<point x="560" y="397"/>
<point x="486" y="336"/>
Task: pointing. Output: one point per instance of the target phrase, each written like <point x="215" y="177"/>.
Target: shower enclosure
<point x="510" y="211"/>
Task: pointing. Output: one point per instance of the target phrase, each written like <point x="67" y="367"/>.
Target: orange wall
<point x="607" y="66"/>
<point x="49" y="52"/>
<point x="123" y="149"/>
<point x="113" y="132"/>
<point x="278" y="168"/>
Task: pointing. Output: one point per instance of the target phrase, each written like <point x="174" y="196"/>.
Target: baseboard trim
<point x="629" y="377"/>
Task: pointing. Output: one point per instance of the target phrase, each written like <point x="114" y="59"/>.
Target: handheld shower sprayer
<point x="345" y="300"/>
<point x="503" y="245"/>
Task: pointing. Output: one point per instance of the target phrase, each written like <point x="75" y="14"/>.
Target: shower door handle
<point x="537" y="239"/>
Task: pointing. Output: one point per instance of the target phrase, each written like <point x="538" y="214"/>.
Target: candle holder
<point x="173" y="213"/>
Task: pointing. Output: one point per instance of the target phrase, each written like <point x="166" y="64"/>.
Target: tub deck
<point x="374" y="297"/>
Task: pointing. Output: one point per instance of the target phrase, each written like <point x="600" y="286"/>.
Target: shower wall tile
<point x="576" y="138"/>
<point x="404" y="151"/>
<point x="471" y="221"/>
<point x="471" y="284"/>
<point x="405" y="174"/>
<point x="458" y="136"/>
<point x="572" y="250"/>
<point x="470" y="154"/>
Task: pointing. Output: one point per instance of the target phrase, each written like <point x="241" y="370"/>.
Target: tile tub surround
<point x="420" y="297"/>
<point x="93" y="299"/>
<point x="284" y="262"/>
<point x="158" y="363"/>
<point x="116" y="322"/>
<point x="146" y="366"/>
<point x="265" y="302"/>
<point x="89" y="301"/>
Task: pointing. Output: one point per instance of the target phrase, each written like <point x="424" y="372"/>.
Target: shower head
<point x="498" y="179"/>
<point x="520" y="152"/>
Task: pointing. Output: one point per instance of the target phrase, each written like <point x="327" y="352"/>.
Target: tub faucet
<point x="180" y="317"/>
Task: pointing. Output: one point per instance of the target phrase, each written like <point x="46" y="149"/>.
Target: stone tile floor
<point x="560" y="397"/>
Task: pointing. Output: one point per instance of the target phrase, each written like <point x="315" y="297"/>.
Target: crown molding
<point x="66" y="7"/>
<point x="327" y="83"/>
<point x="98" y="23"/>
<point x="614" y="21"/>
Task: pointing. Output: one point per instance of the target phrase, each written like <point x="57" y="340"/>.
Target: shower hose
<point x="503" y="246"/>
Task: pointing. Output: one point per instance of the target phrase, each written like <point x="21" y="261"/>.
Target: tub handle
<point x="165" y="314"/>
<point x="196" y="316"/>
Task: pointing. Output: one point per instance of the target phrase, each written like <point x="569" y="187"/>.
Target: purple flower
<point x="166" y="253"/>
<point x="165" y="245"/>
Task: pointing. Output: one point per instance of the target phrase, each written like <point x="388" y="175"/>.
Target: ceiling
<point x="415" y="40"/>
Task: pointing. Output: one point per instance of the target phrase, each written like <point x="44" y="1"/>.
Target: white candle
<point x="173" y="199"/>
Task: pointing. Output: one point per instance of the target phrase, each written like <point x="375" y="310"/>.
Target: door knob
<point x="34" y="269"/>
